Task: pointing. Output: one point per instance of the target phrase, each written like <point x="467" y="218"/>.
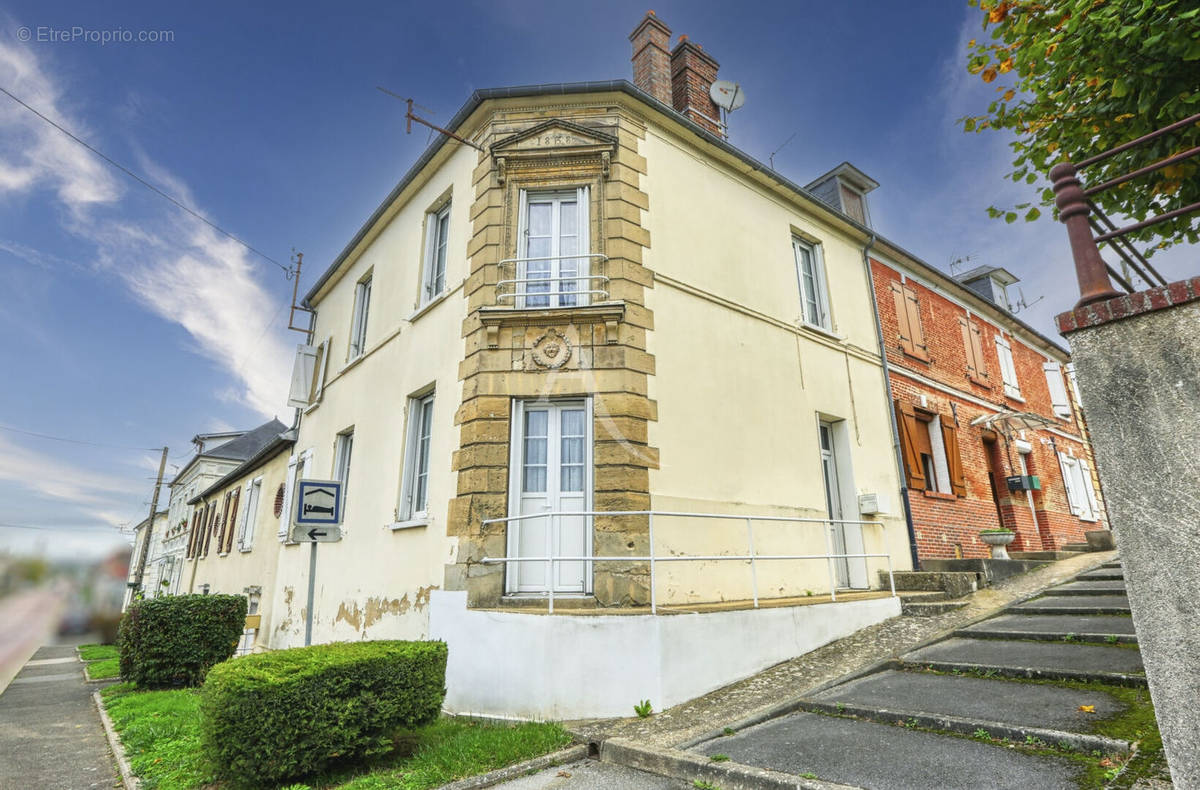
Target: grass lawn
<point x="97" y="652"/>
<point x="161" y="734"/>
<point x="104" y="668"/>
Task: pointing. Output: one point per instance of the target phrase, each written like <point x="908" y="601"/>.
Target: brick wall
<point x="946" y="525"/>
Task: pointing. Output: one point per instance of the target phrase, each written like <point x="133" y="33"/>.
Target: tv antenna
<point x="729" y="96"/>
<point x="1021" y="304"/>
<point x="410" y="116"/>
<point x="961" y="261"/>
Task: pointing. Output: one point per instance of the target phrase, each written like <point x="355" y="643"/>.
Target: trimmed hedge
<point x="174" y="640"/>
<point x="275" y="716"/>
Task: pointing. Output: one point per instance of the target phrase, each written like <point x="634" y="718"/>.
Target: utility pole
<point x="141" y="568"/>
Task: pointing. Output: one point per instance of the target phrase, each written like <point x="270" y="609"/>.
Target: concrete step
<point x="1090" y="587"/>
<point x="1074" y="604"/>
<point x="953" y="584"/>
<point x="1077" y="547"/>
<point x="1053" y="660"/>
<point x="1085" y="628"/>
<point x="869" y="755"/>
<point x="1112" y="564"/>
<point x="1044" y="555"/>
<point x="1101" y="574"/>
<point x="987" y="571"/>
<point x="966" y="704"/>
<point x="921" y="608"/>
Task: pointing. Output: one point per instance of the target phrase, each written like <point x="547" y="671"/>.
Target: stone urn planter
<point x="998" y="539"/>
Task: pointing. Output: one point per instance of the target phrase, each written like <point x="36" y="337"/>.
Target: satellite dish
<point x="727" y="95"/>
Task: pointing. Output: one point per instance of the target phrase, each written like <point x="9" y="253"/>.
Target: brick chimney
<point x="651" y="59"/>
<point x="693" y="71"/>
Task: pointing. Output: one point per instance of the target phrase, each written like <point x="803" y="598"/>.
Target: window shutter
<point x="958" y="479"/>
<point x="976" y="347"/>
<point x="281" y="499"/>
<point x="906" y="423"/>
<point x="233" y="508"/>
<point x="191" y="546"/>
<point x="1058" y="390"/>
<point x="902" y="323"/>
<point x="1089" y="489"/>
<point x="913" y="308"/>
<point x="321" y="361"/>
<point x="302" y="376"/>
<point x="969" y="345"/>
<point x="1065" y="467"/>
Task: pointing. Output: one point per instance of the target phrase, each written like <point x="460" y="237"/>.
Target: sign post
<point x="316" y="518"/>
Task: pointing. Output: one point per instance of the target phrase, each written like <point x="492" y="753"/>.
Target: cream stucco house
<point x="597" y="332"/>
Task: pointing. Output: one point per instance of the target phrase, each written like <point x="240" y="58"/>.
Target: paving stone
<point x="1101" y="587"/>
<point x="1074" y="604"/>
<point x="869" y="755"/>
<point x="1004" y="701"/>
<point x="1021" y="655"/>
<point x="1052" y="626"/>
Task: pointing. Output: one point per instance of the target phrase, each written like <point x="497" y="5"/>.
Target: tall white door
<point x="846" y="538"/>
<point x="550" y="472"/>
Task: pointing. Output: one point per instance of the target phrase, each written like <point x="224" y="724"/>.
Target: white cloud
<point x="102" y="494"/>
<point x="174" y="264"/>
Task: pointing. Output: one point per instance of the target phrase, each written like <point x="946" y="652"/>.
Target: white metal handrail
<point x="520" y="285"/>
<point x="551" y="560"/>
<point x="556" y="258"/>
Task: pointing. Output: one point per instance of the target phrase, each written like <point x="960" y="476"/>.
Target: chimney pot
<point x="651" y="41"/>
<point x="693" y="71"/>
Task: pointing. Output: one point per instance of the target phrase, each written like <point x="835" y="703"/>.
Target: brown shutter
<point x="906" y="423"/>
<point x="210" y="523"/>
<point x="191" y="545"/>
<point x="229" y="527"/>
<point x="977" y="350"/>
<point x="913" y="309"/>
<point x="906" y="343"/>
<point x="958" y="480"/>
<point x="223" y="531"/>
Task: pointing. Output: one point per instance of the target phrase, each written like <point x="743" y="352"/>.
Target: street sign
<point x="317" y="511"/>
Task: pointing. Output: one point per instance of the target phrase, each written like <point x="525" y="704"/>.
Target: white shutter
<point x="302" y="376"/>
<point x="1089" y="490"/>
<point x="1059" y="399"/>
<point x="1073" y="500"/>
<point x="285" y="514"/>
<point x="322" y="363"/>
<point x="1008" y="370"/>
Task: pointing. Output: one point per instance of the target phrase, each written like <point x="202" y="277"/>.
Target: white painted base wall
<point x="582" y="666"/>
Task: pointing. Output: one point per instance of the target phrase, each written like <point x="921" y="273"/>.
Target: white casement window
<point x="250" y="516"/>
<point x="433" y="277"/>
<point x="552" y="270"/>
<point x="1081" y="494"/>
<point x="1059" y="400"/>
<point x="341" y="459"/>
<point x="358" y="325"/>
<point x="1007" y="370"/>
<point x="814" y="293"/>
<point x="414" y="493"/>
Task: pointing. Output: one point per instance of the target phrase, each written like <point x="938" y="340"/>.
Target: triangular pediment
<point x="555" y="135"/>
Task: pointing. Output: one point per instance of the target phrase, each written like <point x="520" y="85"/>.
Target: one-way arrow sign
<point x="316" y="534"/>
<point x="317" y="511"/>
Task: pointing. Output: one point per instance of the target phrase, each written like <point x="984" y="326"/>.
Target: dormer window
<point x="845" y="188"/>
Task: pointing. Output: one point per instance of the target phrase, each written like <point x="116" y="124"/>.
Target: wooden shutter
<point x="232" y="522"/>
<point x="958" y="479"/>
<point x="906" y="423"/>
<point x="906" y="342"/>
<point x="1068" y="485"/>
<point x="1059" y="401"/>
<point x="191" y="547"/>
<point x="977" y="352"/>
<point x="913" y="308"/>
<point x="209" y="526"/>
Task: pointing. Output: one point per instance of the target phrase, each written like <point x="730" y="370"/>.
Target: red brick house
<point x="990" y="430"/>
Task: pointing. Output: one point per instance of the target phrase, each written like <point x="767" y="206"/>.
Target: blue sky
<point x="131" y="323"/>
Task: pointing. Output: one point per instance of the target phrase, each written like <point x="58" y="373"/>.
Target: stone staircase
<point x="1018" y="700"/>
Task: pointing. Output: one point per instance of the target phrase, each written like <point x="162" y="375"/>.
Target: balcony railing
<point x="654" y="557"/>
<point x="1076" y="210"/>
<point x="519" y="287"/>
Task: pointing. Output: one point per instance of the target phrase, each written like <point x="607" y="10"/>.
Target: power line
<point x="74" y="441"/>
<point x="146" y="183"/>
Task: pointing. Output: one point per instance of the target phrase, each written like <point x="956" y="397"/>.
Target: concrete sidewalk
<point x="50" y="732"/>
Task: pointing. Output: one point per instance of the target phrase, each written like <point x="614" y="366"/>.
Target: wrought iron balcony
<point x="552" y="281"/>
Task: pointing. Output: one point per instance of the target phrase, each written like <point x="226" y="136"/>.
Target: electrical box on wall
<point x="873" y="504"/>
<point x="1024" y="483"/>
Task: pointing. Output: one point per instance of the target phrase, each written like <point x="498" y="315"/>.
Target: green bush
<point x="275" y="716"/>
<point x="175" y="640"/>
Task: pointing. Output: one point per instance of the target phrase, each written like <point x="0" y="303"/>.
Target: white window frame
<point x="413" y="459"/>
<point x="1060" y="401"/>
<point x="1081" y="495"/>
<point x="941" y="464"/>
<point x="358" y="324"/>
<point x="818" y="294"/>
<point x="342" y="456"/>
<point x="253" y="497"/>
<point x="555" y="296"/>
<point x="1008" y="370"/>
<point x="437" y="239"/>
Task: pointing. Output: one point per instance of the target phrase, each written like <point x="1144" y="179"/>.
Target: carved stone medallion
<point x="551" y="350"/>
